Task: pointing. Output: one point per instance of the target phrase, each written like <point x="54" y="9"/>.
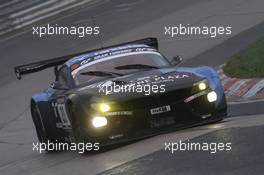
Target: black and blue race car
<point x="123" y="92"/>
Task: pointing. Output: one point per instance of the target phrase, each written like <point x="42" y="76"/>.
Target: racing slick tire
<point x="45" y="127"/>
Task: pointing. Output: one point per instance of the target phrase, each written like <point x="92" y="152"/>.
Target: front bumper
<point x="141" y="123"/>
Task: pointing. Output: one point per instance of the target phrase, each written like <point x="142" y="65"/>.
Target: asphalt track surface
<point x="245" y="131"/>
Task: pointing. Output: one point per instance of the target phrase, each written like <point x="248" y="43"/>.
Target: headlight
<point x="202" y="86"/>
<point x="104" y="107"/>
<point x="99" y="121"/>
<point x="101" y="107"/>
<point x="212" y="96"/>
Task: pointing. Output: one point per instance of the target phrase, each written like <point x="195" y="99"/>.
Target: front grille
<point x="141" y="119"/>
<point x="153" y="101"/>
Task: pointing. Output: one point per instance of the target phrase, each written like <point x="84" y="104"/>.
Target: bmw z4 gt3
<point x="122" y="92"/>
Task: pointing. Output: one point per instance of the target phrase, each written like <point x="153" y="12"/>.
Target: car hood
<point x="170" y="78"/>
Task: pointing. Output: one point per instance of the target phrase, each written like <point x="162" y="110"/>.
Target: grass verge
<point x="249" y="63"/>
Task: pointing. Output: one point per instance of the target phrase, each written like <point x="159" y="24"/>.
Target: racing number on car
<point x="63" y="115"/>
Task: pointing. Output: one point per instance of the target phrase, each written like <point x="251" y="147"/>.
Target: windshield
<point x="90" y="72"/>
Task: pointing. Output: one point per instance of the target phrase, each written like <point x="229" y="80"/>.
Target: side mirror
<point x="58" y="86"/>
<point x="176" y="60"/>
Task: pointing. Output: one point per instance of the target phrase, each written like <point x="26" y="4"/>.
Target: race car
<point x="121" y="93"/>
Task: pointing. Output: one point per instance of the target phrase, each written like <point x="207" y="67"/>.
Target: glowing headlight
<point x="99" y="121"/>
<point x="212" y="96"/>
<point x="104" y="107"/>
<point x="202" y="86"/>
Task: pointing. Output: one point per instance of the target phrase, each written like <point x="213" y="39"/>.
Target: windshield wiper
<point x="101" y="74"/>
<point x="135" y="66"/>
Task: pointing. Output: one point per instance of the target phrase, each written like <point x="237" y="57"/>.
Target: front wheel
<point x="39" y="124"/>
<point x="45" y="127"/>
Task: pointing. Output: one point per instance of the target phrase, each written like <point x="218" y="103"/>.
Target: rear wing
<point x="41" y="65"/>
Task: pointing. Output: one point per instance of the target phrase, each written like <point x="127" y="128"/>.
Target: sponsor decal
<point x="195" y="96"/>
<point x="118" y="113"/>
<point x="148" y="80"/>
<point x="84" y="60"/>
<point x="74" y="66"/>
<point x="116" y="136"/>
<point x="161" y="109"/>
